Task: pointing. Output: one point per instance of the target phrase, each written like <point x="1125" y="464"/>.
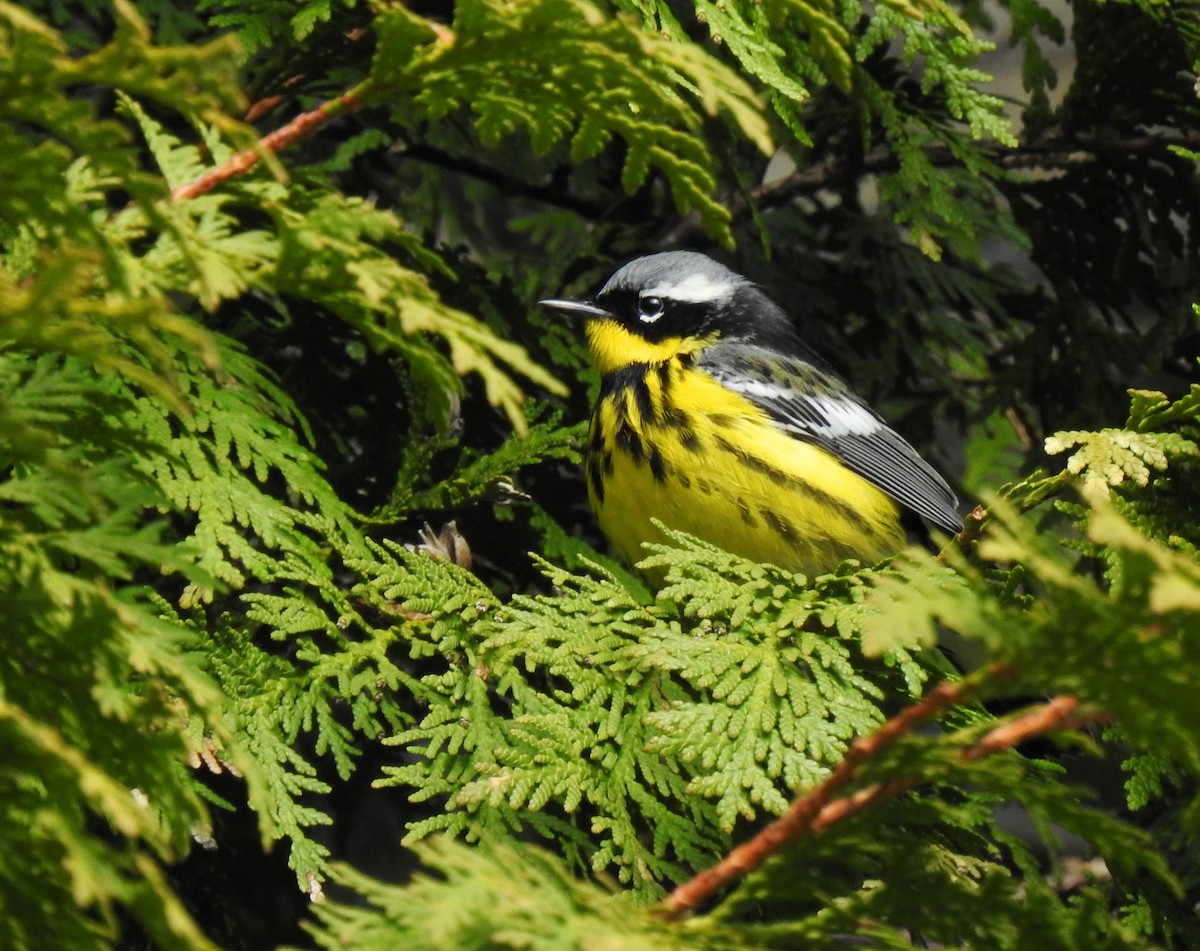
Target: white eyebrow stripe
<point x="696" y="288"/>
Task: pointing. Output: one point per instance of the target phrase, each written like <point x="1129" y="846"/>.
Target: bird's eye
<point x="650" y="309"/>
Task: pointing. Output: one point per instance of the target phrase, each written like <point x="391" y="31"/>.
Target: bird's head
<point x="661" y="305"/>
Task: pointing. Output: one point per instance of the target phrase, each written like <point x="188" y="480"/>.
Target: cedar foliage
<point x="231" y="650"/>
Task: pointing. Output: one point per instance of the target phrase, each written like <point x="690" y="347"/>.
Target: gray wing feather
<point x="826" y="413"/>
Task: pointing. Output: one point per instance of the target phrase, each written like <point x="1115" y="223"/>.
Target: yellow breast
<point x="673" y="444"/>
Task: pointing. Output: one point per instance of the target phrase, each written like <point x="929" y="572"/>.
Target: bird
<point x="716" y="419"/>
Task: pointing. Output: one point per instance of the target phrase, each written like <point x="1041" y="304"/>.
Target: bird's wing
<point x="815" y="406"/>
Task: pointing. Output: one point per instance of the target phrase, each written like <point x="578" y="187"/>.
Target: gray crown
<point x="677" y="275"/>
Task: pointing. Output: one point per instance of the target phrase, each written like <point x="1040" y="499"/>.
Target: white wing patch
<point x="695" y="288"/>
<point x="761" y="388"/>
<point x="845" y="417"/>
<point x="830" y="416"/>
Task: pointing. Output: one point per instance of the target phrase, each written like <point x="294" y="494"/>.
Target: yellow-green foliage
<point x="230" y="671"/>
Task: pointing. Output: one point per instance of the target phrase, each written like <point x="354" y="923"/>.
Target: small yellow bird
<point x="715" y="418"/>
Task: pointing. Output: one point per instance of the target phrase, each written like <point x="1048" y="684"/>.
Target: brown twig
<point x="1056" y="714"/>
<point x="800" y="815"/>
<point x="300" y="127"/>
<point x="817" y="810"/>
<point x="971" y="530"/>
<point x="262" y="107"/>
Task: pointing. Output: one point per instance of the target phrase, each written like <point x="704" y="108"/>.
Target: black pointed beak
<point x="575" y="308"/>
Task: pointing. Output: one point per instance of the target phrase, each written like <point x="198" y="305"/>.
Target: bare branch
<point x="301" y="127"/>
<point x="818" y="809"/>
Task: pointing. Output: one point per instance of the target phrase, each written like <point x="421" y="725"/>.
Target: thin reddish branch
<point x="262" y="107"/>
<point x="265" y="105"/>
<point x="816" y="811"/>
<point x="971" y="530"/>
<point x="803" y="811"/>
<point x="1058" y="713"/>
<point x="302" y="126"/>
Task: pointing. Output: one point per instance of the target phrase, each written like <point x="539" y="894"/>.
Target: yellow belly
<point x="733" y="478"/>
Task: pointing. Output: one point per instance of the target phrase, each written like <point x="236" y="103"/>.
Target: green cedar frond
<point x="1145" y="469"/>
<point x="725" y="696"/>
<point x="477" y="476"/>
<point x="859" y="879"/>
<point x="70" y="504"/>
<point x="553" y="45"/>
<point x="1138" y="628"/>
<point x="194" y="395"/>
<point x="326" y="246"/>
<point x="216" y="461"/>
<point x="938" y="204"/>
<point x="1110" y="456"/>
<point x="1038" y="74"/>
<point x="575" y="553"/>
<point x="179" y="163"/>
<point x="764" y="39"/>
<point x="79" y="520"/>
<point x="1150" y="411"/>
<point x="262" y="24"/>
<point x="498" y="892"/>
<point x="330" y="254"/>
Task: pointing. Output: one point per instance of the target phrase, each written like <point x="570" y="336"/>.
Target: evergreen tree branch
<point x="1054" y="152"/>
<point x="818" y="809"/>
<point x="972" y="527"/>
<point x="503" y="181"/>
<point x="1050" y="152"/>
<point x="299" y="128"/>
<point x="803" y="811"/>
